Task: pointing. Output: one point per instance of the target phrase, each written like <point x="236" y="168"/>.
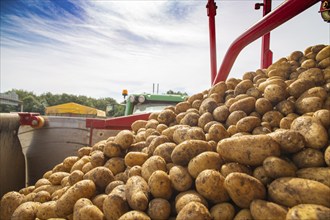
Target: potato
<point x="135" y="215"/>
<point x="135" y="158"/>
<point x="97" y="158"/>
<point x="232" y="167"/>
<point x="285" y="107"/>
<point x="75" y="177"/>
<point x="137" y="193"/>
<point x="79" y="204"/>
<point x="222" y="211"/>
<point x="89" y="212"/>
<point x="166" y="117"/>
<point x="242" y="87"/>
<point x="296" y="55"/>
<point x="290" y="141"/>
<point x="165" y="150"/>
<point x="190" y="118"/>
<point x="243" y="214"/>
<point x="42" y="196"/>
<point x="57" y="177"/>
<point x="308" y="104"/>
<point x="245" y="104"/>
<point x="299" y="86"/>
<point x="234" y="117"/>
<point x="260" y="174"/>
<point x="111" y="149"/>
<point x="322" y="54"/>
<point x="27" y="190"/>
<point x="82" y="189"/>
<point x="194" y="210"/>
<point x="26" y="211"/>
<point x="101" y="176"/>
<point x="325" y="63"/>
<point x="112" y="185"/>
<point x="276" y="167"/>
<point x="275" y="93"/>
<point x="291" y="191"/>
<point x="203" y="161"/>
<point x="84" y="151"/>
<point x="80" y="163"/>
<point x="188" y="133"/>
<point x="313" y="74"/>
<point x="263" y="210"/>
<point x="69" y="161"/>
<point x="308" y="211"/>
<point x="207" y="181"/>
<point x="180" y="178"/>
<point x="308" y="157"/>
<point x="263" y="105"/>
<point x="320" y="174"/>
<point x="247" y="124"/>
<point x="186" y="150"/>
<point x="327" y="156"/>
<point x="243" y="189"/>
<point x="183" y="198"/>
<point x="58" y="193"/>
<point x="152" y="164"/>
<point x="136" y="125"/>
<point x="159" y="209"/>
<point x="273" y="118"/>
<point x="49" y="188"/>
<point x="323" y="116"/>
<point x="275" y="80"/>
<point x="47" y="210"/>
<point x="87" y="167"/>
<point x="114" y="206"/>
<point x="221" y="113"/>
<point x="124" y="139"/>
<point x="155" y="142"/>
<point x="9" y="202"/>
<point x="116" y="164"/>
<point x="98" y="200"/>
<point x="160" y="185"/>
<point x="248" y="150"/>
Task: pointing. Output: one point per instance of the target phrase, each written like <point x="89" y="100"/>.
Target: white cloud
<point x="132" y="44"/>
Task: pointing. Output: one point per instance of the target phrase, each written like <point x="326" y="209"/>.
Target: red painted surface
<point x="29" y="118"/>
<point x="211" y="12"/>
<point x="283" y="13"/>
<point x="266" y="53"/>
<point x="118" y="123"/>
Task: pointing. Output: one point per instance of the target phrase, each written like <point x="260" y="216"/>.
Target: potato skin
<point x="264" y="210"/>
<point x="26" y="211"/>
<point x="82" y="189"/>
<point x="183" y="198"/>
<point x="186" y="150"/>
<point x="152" y="164"/>
<point x="47" y="210"/>
<point x="203" y="161"/>
<point x="9" y="202"/>
<point x="276" y="167"/>
<point x="180" y="178"/>
<point x="291" y="191"/>
<point x="135" y="158"/>
<point x="248" y="150"/>
<point x="307" y="212"/>
<point x="243" y="189"/>
<point x="159" y="209"/>
<point x="160" y="185"/>
<point x="282" y="136"/>
<point x="134" y="215"/>
<point x="222" y="211"/>
<point x="320" y="174"/>
<point x="207" y="181"/>
<point x="90" y="212"/>
<point x="137" y="193"/>
<point x="101" y="176"/>
<point x="114" y="206"/>
<point x="313" y="131"/>
<point x="194" y="210"/>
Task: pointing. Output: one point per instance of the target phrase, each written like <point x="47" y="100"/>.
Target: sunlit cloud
<point x="98" y="48"/>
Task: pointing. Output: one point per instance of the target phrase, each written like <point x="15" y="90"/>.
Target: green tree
<point x="171" y="92"/>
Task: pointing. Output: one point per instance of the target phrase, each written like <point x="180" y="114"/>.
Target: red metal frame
<point x="283" y="13"/>
<point x="212" y="12"/>
<point x="30" y="118"/>
<point x="266" y="53"/>
<point x="118" y="123"/>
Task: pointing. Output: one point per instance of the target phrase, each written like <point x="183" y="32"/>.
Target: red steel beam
<point x="266" y="53"/>
<point x="211" y="12"/>
<point x="283" y="13"/>
<point x="118" y="123"/>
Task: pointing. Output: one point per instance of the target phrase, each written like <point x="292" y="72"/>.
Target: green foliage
<point x="35" y="103"/>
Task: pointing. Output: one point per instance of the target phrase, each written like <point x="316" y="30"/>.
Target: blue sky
<point x="97" y="48"/>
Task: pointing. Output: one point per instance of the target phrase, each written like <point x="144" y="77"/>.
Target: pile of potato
<point x="250" y="148"/>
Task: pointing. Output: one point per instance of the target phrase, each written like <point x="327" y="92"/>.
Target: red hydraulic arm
<point x="266" y="53"/>
<point x="211" y="12"/>
<point x="283" y="13"/>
